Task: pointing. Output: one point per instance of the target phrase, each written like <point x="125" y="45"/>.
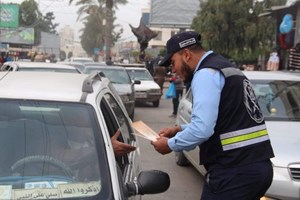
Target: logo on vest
<point x="251" y="103"/>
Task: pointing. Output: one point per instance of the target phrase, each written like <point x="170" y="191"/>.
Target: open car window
<point x="115" y="119"/>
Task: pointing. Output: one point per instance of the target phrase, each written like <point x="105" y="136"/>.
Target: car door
<point x="185" y="109"/>
<point x="116" y="119"/>
<point x="184" y="115"/>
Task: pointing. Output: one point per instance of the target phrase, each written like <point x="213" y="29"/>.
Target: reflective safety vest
<point x="240" y="135"/>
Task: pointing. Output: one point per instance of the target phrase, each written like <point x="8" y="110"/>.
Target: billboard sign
<point x="173" y="13"/>
<point x="17" y="36"/>
<point x="9" y="15"/>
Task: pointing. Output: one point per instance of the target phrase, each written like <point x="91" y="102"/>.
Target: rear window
<point x="139" y="74"/>
<point x="278" y="100"/>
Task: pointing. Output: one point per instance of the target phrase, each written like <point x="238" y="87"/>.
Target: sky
<point x="66" y="14"/>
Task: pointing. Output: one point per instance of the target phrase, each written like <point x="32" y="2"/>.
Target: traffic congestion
<point x="150" y="99"/>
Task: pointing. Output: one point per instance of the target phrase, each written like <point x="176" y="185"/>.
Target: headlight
<point x="155" y="91"/>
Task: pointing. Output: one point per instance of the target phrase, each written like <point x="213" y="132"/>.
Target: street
<point x="186" y="182"/>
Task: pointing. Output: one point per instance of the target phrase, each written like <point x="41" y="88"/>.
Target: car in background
<point x="120" y="80"/>
<point x="38" y="66"/>
<point x="78" y="65"/>
<point x="81" y="60"/>
<point x="278" y="95"/>
<point x="55" y="140"/>
<point x="148" y="90"/>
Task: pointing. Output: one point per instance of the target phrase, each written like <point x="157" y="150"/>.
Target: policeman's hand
<point x="120" y="148"/>
<point x="161" y="145"/>
<point x="169" y="132"/>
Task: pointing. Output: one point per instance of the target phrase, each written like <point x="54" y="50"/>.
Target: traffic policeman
<point x="227" y="123"/>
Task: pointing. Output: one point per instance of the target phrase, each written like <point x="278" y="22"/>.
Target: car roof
<point x="45" y="85"/>
<point x="101" y="66"/>
<point x="135" y="68"/>
<point x="271" y="75"/>
<point x="40" y="65"/>
<point x="81" y="58"/>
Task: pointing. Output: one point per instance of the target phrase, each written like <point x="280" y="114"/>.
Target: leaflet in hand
<point x="144" y="131"/>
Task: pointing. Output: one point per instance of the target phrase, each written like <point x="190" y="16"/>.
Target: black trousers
<point x="248" y="182"/>
<point x="176" y="101"/>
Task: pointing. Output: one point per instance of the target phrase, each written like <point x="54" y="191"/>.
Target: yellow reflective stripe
<point x="244" y="137"/>
<point x="245" y="143"/>
<point x="243" y="131"/>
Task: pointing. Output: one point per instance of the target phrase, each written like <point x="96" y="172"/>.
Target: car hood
<point x="285" y="140"/>
<point x="122" y="88"/>
<point x="146" y="85"/>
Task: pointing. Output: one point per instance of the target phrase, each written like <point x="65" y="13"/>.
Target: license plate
<point x="141" y="95"/>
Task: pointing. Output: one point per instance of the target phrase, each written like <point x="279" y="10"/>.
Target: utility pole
<point x="108" y="27"/>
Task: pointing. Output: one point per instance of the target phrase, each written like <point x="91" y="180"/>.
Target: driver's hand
<point x="120" y="148"/>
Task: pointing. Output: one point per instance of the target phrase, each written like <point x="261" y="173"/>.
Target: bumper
<point x="149" y="98"/>
<point x="283" y="187"/>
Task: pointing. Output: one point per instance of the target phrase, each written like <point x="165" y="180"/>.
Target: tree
<point x="236" y="33"/>
<point x="106" y="12"/>
<point x="28" y="13"/>
<point x="30" y="16"/>
<point x="90" y="40"/>
<point x="48" y="22"/>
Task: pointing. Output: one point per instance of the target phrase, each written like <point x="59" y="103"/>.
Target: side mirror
<point x="149" y="182"/>
<point x="137" y="82"/>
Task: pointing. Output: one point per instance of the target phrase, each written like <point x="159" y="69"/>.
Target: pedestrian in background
<point x="109" y="61"/>
<point x="226" y="123"/>
<point x="179" y="85"/>
<point x="159" y="76"/>
<point x="149" y="64"/>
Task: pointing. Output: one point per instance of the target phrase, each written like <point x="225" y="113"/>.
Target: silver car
<point x="278" y="95"/>
<point x="38" y="66"/>
<point x="55" y="140"/>
<point x="148" y="90"/>
<point x="120" y="80"/>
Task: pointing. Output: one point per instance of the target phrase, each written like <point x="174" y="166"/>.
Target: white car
<point x="278" y="95"/>
<point x="120" y="79"/>
<point x="78" y="65"/>
<point x="55" y="140"/>
<point x="148" y="90"/>
<point x="38" y="66"/>
<point x="82" y="60"/>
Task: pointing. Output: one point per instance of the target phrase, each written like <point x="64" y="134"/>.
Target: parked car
<point x="148" y="90"/>
<point x="82" y="60"/>
<point x="278" y="95"/>
<point x="120" y="80"/>
<point x="55" y="140"/>
<point x="78" y="65"/>
<point x="38" y="66"/>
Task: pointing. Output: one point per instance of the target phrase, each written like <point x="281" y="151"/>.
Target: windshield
<point x="141" y="75"/>
<point x="51" y="150"/>
<point x="278" y="100"/>
<point x="118" y="76"/>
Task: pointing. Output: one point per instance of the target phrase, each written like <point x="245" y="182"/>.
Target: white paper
<point x="144" y="131"/>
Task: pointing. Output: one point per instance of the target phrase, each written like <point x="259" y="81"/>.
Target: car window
<point x="278" y="100"/>
<point x="53" y="147"/>
<point x="139" y="74"/>
<point x="117" y="76"/>
<point x="7" y="68"/>
<point x="115" y="119"/>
